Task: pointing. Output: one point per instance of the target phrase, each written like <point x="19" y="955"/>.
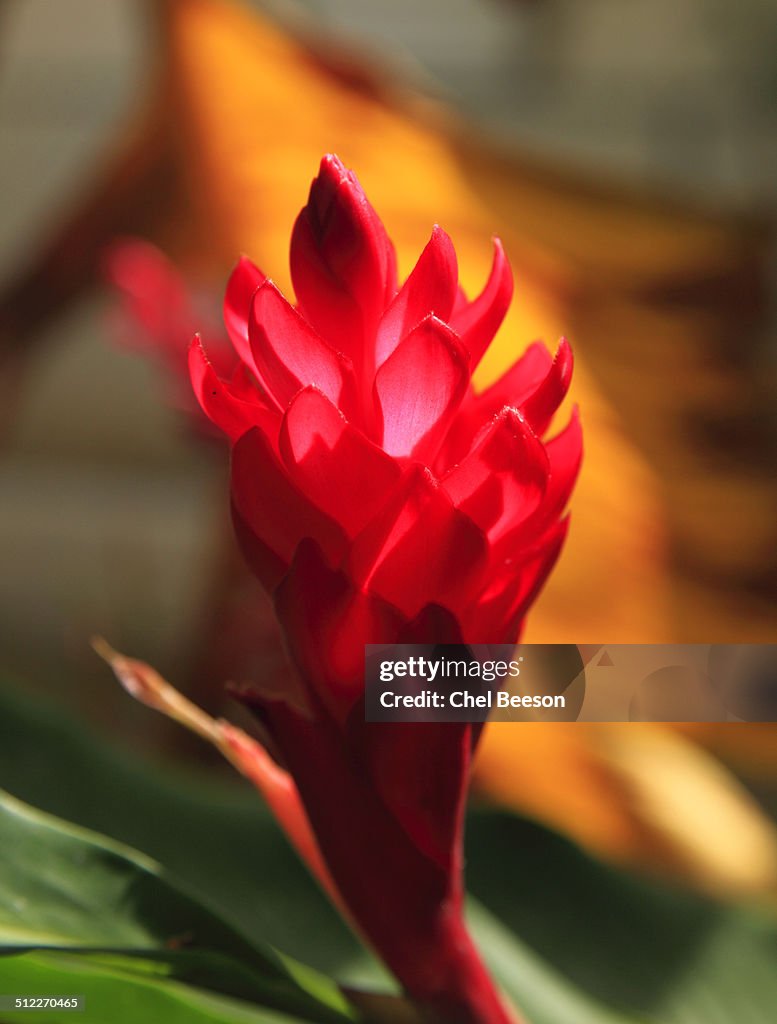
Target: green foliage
<point x="124" y="992"/>
<point x="62" y="887"/>
<point x="658" y="952"/>
<point x="212" y="834"/>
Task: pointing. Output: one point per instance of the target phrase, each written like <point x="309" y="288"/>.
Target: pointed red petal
<point x="225" y="405"/>
<point x="242" y="283"/>
<point x="517" y="383"/>
<point x="419" y="388"/>
<point x="497" y="615"/>
<point x="512" y="388"/>
<point x="540" y="406"/>
<point x="288" y="353"/>
<point x="341" y="261"/>
<point x="503" y="479"/>
<point x="565" y="455"/>
<point x="430" y="289"/>
<point x="479" y="320"/>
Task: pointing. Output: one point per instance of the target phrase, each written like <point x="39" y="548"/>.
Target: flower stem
<point x="467" y="994"/>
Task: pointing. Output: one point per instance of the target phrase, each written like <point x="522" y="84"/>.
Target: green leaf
<point x="650" y="951"/>
<point x="122" y="993"/>
<point x="61" y="886"/>
<point x="543" y="993"/>
<point x="211" y="831"/>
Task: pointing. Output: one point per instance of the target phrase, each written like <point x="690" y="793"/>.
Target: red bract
<point x="159" y="316"/>
<point x="381" y="499"/>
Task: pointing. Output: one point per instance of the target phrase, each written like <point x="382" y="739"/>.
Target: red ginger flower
<point x="382" y="500"/>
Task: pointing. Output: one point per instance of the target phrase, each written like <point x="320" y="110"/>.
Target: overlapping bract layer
<point x="355" y="425"/>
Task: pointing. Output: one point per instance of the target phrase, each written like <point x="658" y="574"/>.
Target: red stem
<point x="468" y="994"/>
<point x="407" y="905"/>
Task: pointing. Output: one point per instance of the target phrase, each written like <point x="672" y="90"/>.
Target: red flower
<point x="382" y="500"/>
<point x="159" y="315"/>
